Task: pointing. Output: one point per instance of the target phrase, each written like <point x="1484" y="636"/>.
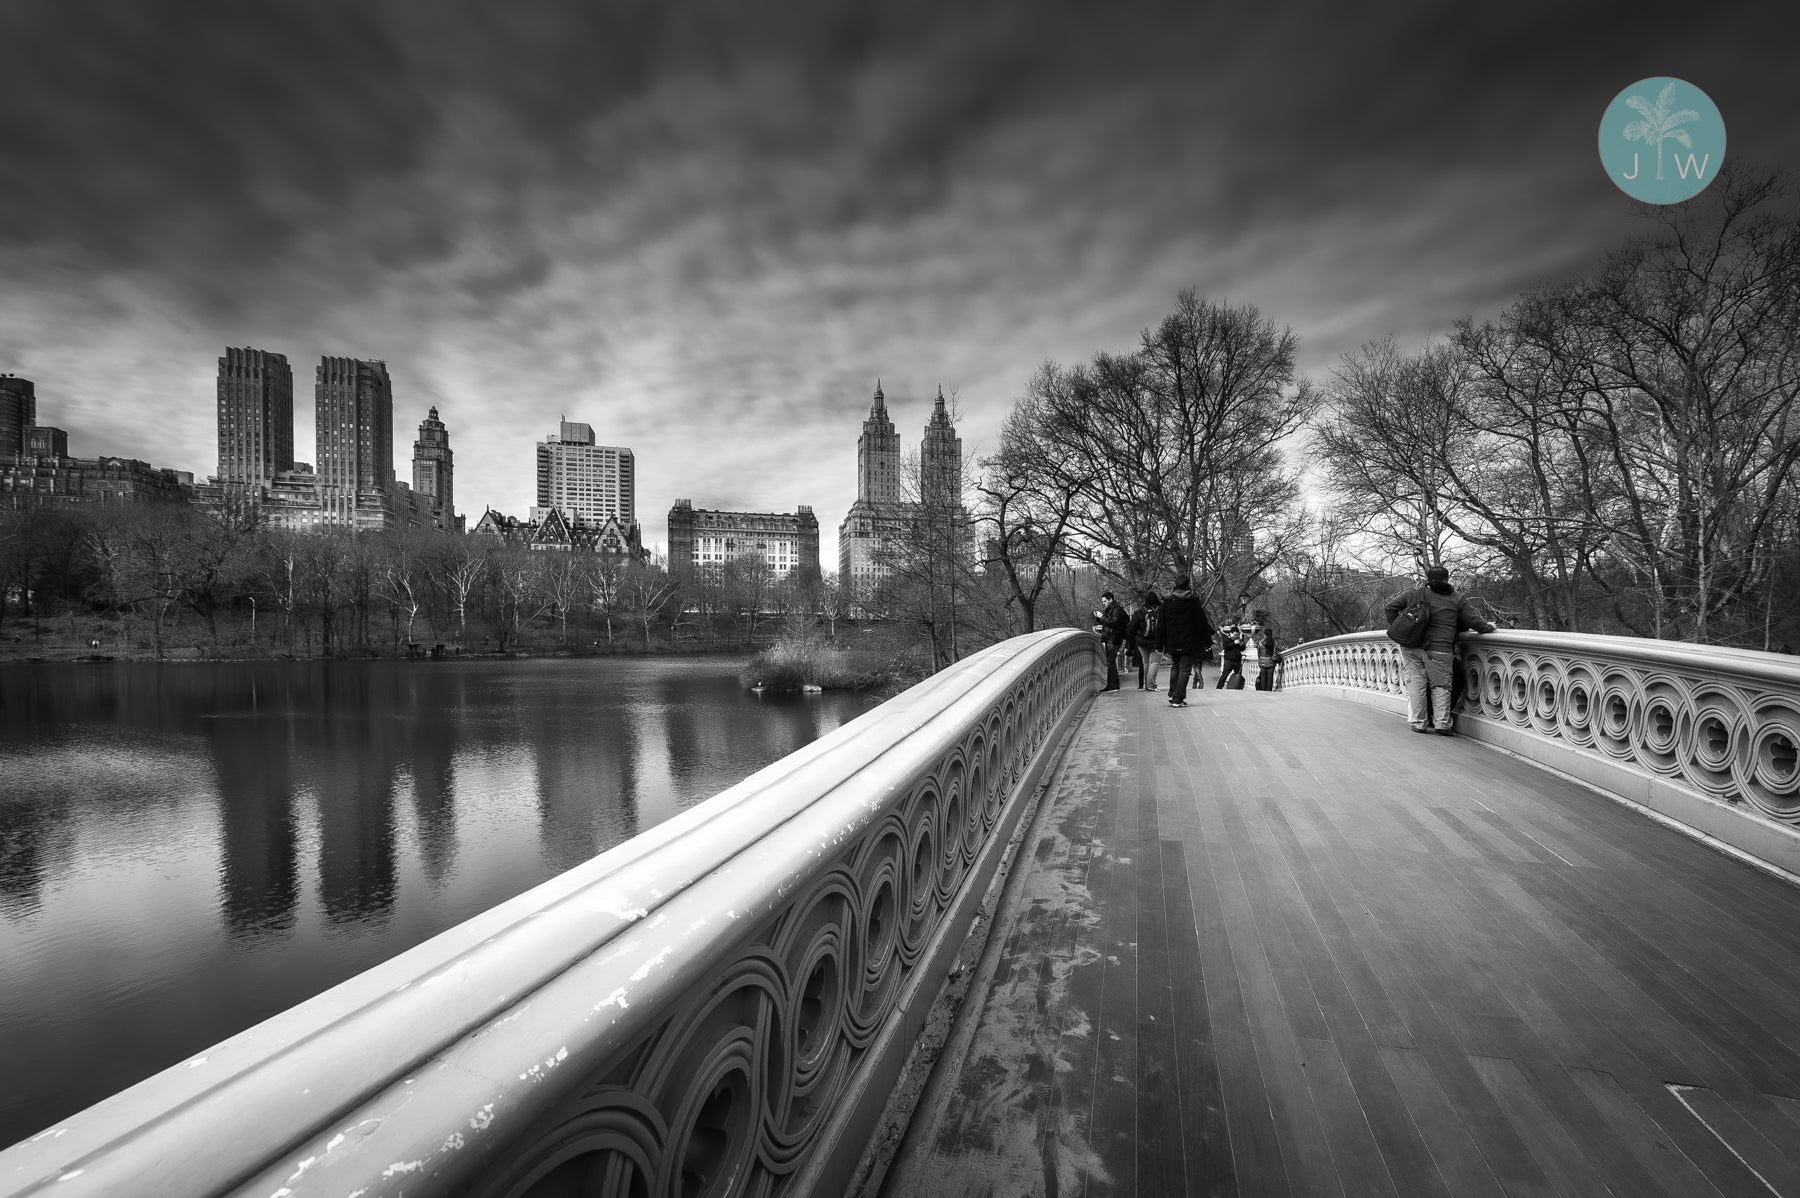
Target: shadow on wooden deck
<point x="1278" y="944"/>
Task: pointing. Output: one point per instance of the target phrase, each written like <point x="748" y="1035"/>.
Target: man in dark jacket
<point x="1427" y="668"/>
<point x="1114" y="625"/>
<point x="1185" y="634"/>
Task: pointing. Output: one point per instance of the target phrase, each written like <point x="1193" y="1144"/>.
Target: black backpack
<point x="1412" y="625"/>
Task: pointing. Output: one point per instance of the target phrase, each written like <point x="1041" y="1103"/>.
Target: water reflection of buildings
<point x="259" y="875"/>
<point x="354" y="763"/>
<point x="587" y="779"/>
<point x="28" y="827"/>
<point x="432" y="754"/>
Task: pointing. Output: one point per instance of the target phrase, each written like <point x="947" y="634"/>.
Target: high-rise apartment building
<point x="586" y="482"/>
<point x="355" y="434"/>
<point x="432" y="468"/>
<point x="256" y="416"/>
<point x="18" y="412"/>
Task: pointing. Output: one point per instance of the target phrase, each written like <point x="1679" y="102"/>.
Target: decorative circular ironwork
<point x="729" y="1093"/>
<point x="1721" y="735"/>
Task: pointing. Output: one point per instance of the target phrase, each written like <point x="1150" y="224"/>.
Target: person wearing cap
<point x="1114" y="626"/>
<point x="1186" y="633"/>
<point x="1426" y="670"/>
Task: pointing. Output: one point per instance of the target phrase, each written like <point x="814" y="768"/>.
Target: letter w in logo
<point x="1683" y="164"/>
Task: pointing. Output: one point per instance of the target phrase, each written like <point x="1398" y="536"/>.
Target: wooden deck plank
<point x="1743" y="1137"/>
<point x="1296" y="1121"/>
<point x="1260" y="1165"/>
<point x="1206" y="1141"/>
<point x="1341" y="958"/>
<point x="1453" y="1150"/>
<point x="1114" y="1116"/>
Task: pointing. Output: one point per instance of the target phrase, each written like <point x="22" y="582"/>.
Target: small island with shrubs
<point x="796" y="664"/>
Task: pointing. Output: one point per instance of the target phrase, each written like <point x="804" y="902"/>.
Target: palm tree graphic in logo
<point x="1660" y="123"/>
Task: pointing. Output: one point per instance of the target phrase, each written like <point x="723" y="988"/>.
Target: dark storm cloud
<point x="706" y="228"/>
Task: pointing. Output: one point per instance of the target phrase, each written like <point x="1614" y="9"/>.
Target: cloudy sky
<point x="707" y="228"/>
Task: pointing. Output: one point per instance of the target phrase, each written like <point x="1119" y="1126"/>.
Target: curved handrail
<point x="1723" y="723"/>
<point x="720" y="997"/>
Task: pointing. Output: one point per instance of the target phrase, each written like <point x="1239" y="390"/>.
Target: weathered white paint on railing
<point x="718" y="1006"/>
<point x="1702" y="735"/>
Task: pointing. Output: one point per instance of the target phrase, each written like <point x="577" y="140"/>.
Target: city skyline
<point x="709" y="233"/>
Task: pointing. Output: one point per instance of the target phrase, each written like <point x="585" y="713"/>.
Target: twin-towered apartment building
<point x="353" y="483"/>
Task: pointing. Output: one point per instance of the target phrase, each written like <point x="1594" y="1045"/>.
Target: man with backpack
<point x="1146" y="630"/>
<point x="1186" y="633"/>
<point x="1425" y="622"/>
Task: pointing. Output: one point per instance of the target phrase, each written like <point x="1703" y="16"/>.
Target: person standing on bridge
<point x="1186" y="634"/>
<point x="1426" y="670"/>
<point x="1114" y="625"/>
<point x="1146" y="629"/>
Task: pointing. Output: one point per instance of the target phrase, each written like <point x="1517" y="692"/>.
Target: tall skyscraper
<point x="588" y="482"/>
<point x="878" y="455"/>
<point x="18" y="412"/>
<point x="432" y="469"/>
<point x="879" y="505"/>
<point x="256" y="416"/>
<point x="940" y="460"/>
<point x="355" y="433"/>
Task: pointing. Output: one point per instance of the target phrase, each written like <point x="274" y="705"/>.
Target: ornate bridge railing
<point x="719" y="1006"/>
<point x="1701" y="735"/>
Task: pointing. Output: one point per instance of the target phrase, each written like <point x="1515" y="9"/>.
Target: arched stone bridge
<point x="1269" y="943"/>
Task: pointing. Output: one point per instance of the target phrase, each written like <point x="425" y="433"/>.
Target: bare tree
<point x="460" y="563"/>
<point x="1156" y="443"/>
<point x="565" y="582"/>
<point x="649" y="591"/>
<point x="1691" y="355"/>
<point x="606" y="589"/>
<point x="1027" y="506"/>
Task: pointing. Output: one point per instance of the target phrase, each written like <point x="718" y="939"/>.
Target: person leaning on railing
<point x="1426" y="670"/>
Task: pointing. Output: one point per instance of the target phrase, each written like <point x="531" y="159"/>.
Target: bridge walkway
<point x="1278" y="944"/>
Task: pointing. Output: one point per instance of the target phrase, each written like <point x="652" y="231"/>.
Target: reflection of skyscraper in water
<point x="353" y="776"/>
<point x="28" y="825"/>
<point x="587" y="780"/>
<point x="433" y="759"/>
<point x="253" y="758"/>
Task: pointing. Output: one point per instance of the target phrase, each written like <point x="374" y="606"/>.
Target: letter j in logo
<point x="1662" y="140"/>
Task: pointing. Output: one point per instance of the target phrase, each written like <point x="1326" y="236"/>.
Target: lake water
<point x="188" y="849"/>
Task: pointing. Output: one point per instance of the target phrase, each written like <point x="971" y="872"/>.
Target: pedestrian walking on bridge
<point x="1186" y="634"/>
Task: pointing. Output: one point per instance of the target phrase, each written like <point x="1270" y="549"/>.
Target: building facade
<point x="256" y="416"/>
<point x="434" y="470"/>
<point x="18" y="412"/>
<point x="586" y="482"/>
<point x="355" y="435"/>
<point x="37" y="471"/>
<point x="703" y="540"/>
<point x="66" y="482"/>
<point x="558" y="533"/>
